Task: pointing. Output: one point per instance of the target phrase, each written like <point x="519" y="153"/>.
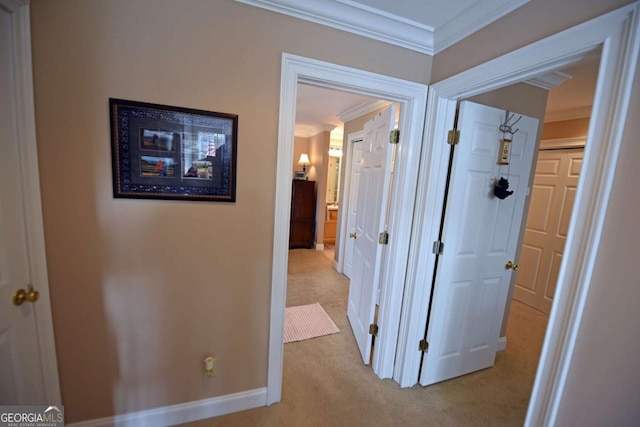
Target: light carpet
<point x="307" y="321"/>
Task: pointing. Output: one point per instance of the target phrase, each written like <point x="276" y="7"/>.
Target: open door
<point x="373" y="193"/>
<point x="480" y="235"/>
<point x="352" y="205"/>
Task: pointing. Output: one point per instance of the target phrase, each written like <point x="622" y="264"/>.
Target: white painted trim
<point x="572" y="114"/>
<point x="355" y="19"/>
<point x="502" y="344"/>
<point x="618" y="34"/>
<point x="561" y="143"/>
<point x="549" y="80"/>
<point x="344" y="200"/>
<point x="412" y="98"/>
<point x="184" y="412"/>
<point x="315" y="130"/>
<point x="362" y="109"/>
<point x="473" y="18"/>
<point x="31" y="188"/>
<point x="319" y="246"/>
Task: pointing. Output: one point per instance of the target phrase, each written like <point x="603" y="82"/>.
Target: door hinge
<point x="383" y="238"/>
<point x="373" y="329"/>
<point x="394" y="136"/>
<point x="453" y="137"/>
<point x="438" y="246"/>
<point x="423" y="346"/>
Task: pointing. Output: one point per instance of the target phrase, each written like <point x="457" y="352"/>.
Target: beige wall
<point x="142" y="289"/>
<point x="566" y="129"/>
<point x="300" y="145"/>
<point x="534" y="21"/>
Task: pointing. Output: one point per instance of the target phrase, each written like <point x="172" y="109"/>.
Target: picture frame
<point x="172" y="153"/>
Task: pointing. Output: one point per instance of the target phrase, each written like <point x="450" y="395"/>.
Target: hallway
<point x="325" y="382"/>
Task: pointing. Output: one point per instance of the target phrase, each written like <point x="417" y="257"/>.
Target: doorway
<point x="600" y="159"/>
<point x="412" y="99"/>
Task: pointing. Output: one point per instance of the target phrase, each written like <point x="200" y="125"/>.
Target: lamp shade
<point x="304" y="159"/>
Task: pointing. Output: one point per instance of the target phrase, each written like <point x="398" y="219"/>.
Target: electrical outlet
<point x="210" y="365"/>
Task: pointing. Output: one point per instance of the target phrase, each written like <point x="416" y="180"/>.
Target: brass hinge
<point x="423" y="346"/>
<point x="438" y="246"/>
<point x="383" y="238"/>
<point x="373" y="329"/>
<point x="453" y="137"/>
<point x="394" y="136"/>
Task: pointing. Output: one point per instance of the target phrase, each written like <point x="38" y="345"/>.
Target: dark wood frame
<point x="163" y="152"/>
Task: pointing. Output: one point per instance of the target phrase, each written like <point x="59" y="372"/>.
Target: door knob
<point x="21" y="296"/>
<point x="353" y="235"/>
<point x="512" y="266"/>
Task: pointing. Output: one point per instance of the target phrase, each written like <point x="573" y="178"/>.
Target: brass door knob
<point x="512" y="266"/>
<point x="353" y="235"/>
<point x="29" y="296"/>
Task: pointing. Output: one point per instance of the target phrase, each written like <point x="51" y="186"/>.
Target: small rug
<point x="307" y="321"/>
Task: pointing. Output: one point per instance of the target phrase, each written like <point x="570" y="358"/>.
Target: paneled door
<point x="373" y="194"/>
<point x="552" y="196"/>
<point x="480" y="236"/>
<point x="26" y="377"/>
<point x="352" y="203"/>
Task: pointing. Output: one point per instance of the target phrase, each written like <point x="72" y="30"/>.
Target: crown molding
<point x="308" y="133"/>
<point x="550" y="80"/>
<point x="473" y="18"/>
<point x="357" y="19"/>
<point x="571" y="114"/>
<point x="376" y="24"/>
<point x="362" y="109"/>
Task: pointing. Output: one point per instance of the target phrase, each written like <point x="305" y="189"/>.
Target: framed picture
<point x="162" y="152"/>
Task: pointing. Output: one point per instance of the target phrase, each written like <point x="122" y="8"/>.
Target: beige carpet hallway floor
<point x="325" y="382"/>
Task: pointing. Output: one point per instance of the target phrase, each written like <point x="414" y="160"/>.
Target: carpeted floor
<point x="325" y="382"/>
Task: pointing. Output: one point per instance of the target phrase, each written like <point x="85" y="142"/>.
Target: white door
<point x="352" y="198"/>
<point x="552" y="195"/>
<point x="373" y="193"/>
<point x="22" y="378"/>
<point x="480" y="236"/>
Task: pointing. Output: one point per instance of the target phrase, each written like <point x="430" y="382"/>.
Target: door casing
<point x="618" y="35"/>
<point x="412" y="99"/>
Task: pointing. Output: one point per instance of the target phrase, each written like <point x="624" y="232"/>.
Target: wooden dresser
<point x="303" y="214"/>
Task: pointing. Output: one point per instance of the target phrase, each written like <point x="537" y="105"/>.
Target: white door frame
<point x="31" y="189"/>
<point x="618" y="34"/>
<point x="345" y="197"/>
<point x="412" y="98"/>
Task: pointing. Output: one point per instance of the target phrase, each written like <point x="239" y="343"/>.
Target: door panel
<point x="356" y="166"/>
<point x="554" y="190"/>
<point x="373" y="192"/>
<point x="480" y="234"/>
<point x="20" y="371"/>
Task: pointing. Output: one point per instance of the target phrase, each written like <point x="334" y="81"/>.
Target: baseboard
<point x="319" y="246"/>
<point x="502" y="344"/>
<point x="336" y="267"/>
<point x="184" y="412"/>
